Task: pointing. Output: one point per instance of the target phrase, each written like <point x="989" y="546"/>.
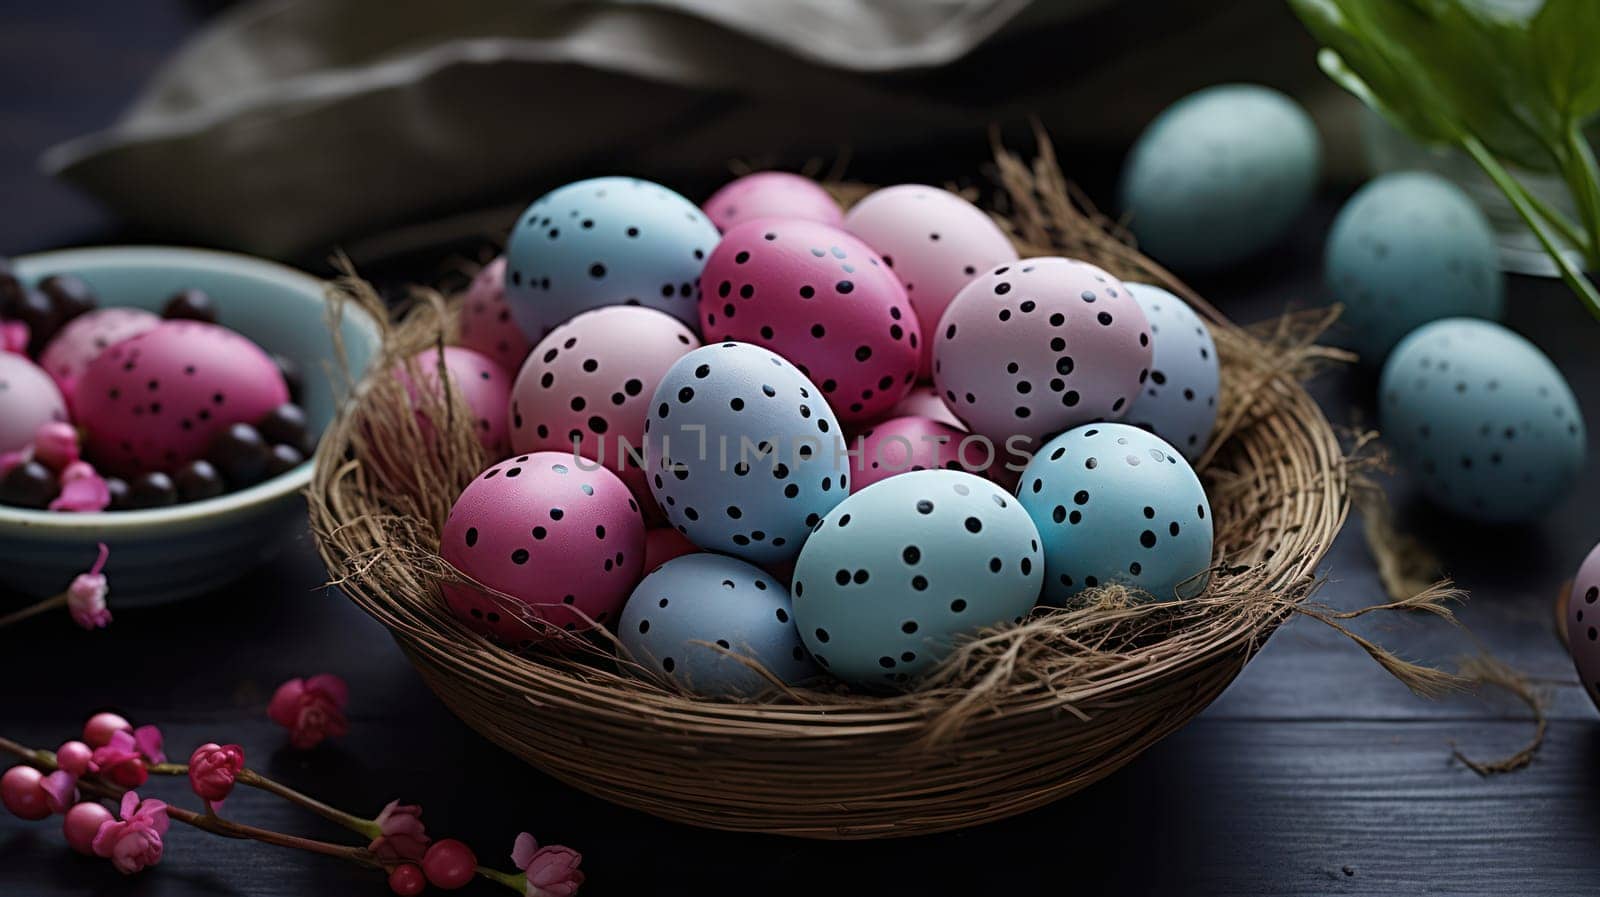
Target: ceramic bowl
<point x="166" y="554"/>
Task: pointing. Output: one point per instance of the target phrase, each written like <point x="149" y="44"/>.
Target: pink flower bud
<point x="133" y="842"/>
<point x="76" y="757"/>
<point x="82" y="824"/>
<point x="120" y="760"/>
<point x="98" y="730"/>
<point x="551" y="871"/>
<point x="55" y="444"/>
<point x="311" y="709"/>
<point x="82" y="489"/>
<point x="60" y="790"/>
<point x="213" y="768"/>
<point x="404" y="836"/>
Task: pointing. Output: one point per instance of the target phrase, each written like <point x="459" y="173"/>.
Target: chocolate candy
<point x="290" y="369"/>
<point x="152" y="490"/>
<point x="286" y="425"/>
<point x="190" y="305"/>
<point x="118" y="488"/>
<point x="241" y="454"/>
<point x="69" y="295"/>
<point x="283" y="459"/>
<point x="198" y="480"/>
<point x="29" y="485"/>
<point x="37" y="311"/>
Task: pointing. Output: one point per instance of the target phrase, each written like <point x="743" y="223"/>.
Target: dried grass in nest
<point x="1019" y="715"/>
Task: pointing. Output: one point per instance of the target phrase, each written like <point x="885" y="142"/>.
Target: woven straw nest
<point x="1018" y="717"/>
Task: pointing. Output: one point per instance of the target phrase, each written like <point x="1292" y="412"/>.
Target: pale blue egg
<point x="1409" y="248"/>
<point x="744" y="453"/>
<point x="897" y="572"/>
<point x="1485" y="424"/>
<point x="1220" y="175"/>
<point x="606" y="241"/>
<point x="1178" y="401"/>
<point x="1116" y="504"/>
<point x="689" y="604"/>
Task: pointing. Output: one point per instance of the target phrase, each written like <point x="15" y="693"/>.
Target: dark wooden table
<point x="1314" y="774"/>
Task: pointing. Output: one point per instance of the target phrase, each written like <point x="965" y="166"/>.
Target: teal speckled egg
<point x="1410" y="248"/>
<point x="1116" y="504"/>
<point x="896" y="572"/>
<point x="1220" y="175"/>
<point x="1483" y="421"/>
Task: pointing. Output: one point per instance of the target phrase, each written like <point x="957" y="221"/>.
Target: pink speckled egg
<point x="1036" y="347"/>
<point x="771" y="194"/>
<point x="662" y="544"/>
<point x="924" y="400"/>
<point x="935" y="241"/>
<point x="485" y="385"/>
<point x="155" y="401"/>
<point x="820" y="298"/>
<point x="589" y="382"/>
<point x="486" y="323"/>
<point x="28" y="398"/>
<point x="1583" y="624"/>
<point x="567" y="545"/>
<point x="915" y="443"/>
<point x="85" y="337"/>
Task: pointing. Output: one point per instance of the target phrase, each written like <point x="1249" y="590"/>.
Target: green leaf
<point x="1564" y="35"/>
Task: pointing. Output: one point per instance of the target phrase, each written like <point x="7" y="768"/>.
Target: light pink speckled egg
<point x="85" y="337"/>
<point x="771" y="194"/>
<point x="28" y="398"/>
<point x="567" y="544"/>
<point x="485" y="385"/>
<point x="662" y="544"/>
<point x="924" y="400"/>
<point x="590" y="381"/>
<point x="155" y="401"/>
<point x="486" y="323"/>
<point x="1033" y="348"/>
<point x="1583" y="624"/>
<point x="820" y="298"/>
<point x="935" y="241"/>
<point x="915" y="443"/>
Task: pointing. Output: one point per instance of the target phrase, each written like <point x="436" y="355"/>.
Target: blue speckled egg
<point x="1410" y="248"/>
<point x="744" y="454"/>
<point x="714" y="600"/>
<point x="1179" y="401"/>
<point x="1483" y="421"/>
<point x="1220" y="175"/>
<point x="1116" y="504"/>
<point x="606" y="241"/>
<point x="896" y="572"/>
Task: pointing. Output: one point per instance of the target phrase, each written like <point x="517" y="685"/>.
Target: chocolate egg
<point x="771" y="194"/>
<point x="695" y="618"/>
<point x="484" y="385"/>
<point x="1030" y="349"/>
<point x="486" y="323"/>
<point x="85" y="337"/>
<point x="820" y="298"/>
<point x="1484" y="422"/>
<point x="587" y="387"/>
<point x="1583" y="625"/>
<point x="28" y="399"/>
<point x="605" y="241"/>
<point x="935" y="241"/>
<point x="895" y="573"/>
<point x="1116" y="504"/>
<point x="744" y="454"/>
<point x="566" y="545"/>
<point x="156" y="400"/>
<point x="1179" y="401"/>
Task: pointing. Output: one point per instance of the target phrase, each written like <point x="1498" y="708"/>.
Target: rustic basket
<point x="1021" y="716"/>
